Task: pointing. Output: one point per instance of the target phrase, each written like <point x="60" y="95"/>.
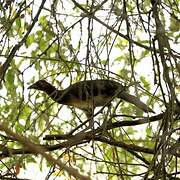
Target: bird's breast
<point x="90" y="103"/>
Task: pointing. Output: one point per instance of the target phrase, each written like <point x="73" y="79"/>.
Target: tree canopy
<point x="132" y="42"/>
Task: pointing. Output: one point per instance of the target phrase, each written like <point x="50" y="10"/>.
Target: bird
<point x="89" y="94"/>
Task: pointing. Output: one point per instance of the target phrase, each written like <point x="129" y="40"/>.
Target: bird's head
<point x="40" y="85"/>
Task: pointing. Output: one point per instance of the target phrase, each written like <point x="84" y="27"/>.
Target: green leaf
<point x="43" y="21"/>
<point x="30" y="39"/>
<point x="145" y="82"/>
<point x="174" y="25"/>
<point x="10" y="77"/>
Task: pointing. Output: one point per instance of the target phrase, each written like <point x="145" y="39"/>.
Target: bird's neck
<point x="53" y="92"/>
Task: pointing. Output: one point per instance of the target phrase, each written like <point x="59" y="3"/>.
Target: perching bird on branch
<point x="87" y="95"/>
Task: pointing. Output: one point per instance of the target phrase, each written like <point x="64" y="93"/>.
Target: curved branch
<point x="37" y="149"/>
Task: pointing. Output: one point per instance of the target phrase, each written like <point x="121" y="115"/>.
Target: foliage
<point x="133" y="42"/>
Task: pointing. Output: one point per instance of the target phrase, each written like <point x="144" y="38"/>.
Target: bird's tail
<point x="134" y="100"/>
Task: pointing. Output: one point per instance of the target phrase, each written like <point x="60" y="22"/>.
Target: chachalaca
<point x="87" y="95"/>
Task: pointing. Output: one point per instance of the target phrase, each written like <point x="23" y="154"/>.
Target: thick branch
<point x="37" y="149"/>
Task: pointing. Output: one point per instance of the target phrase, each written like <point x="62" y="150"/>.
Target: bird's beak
<point x="33" y="86"/>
